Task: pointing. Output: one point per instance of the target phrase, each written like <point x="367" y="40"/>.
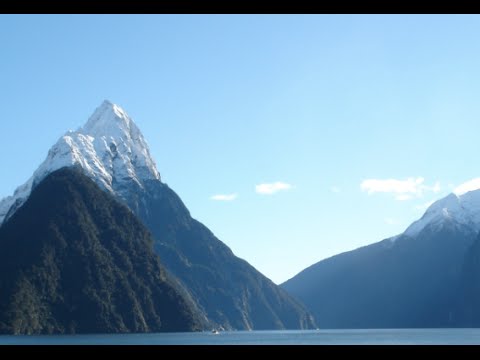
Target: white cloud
<point x="272" y="188"/>
<point x="335" y="189"/>
<point x="391" y="221"/>
<point x="425" y="206"/>
<point x="411" y="185"/>
<point x="403" y="197"/>
<point x="224" y="197"/>
<point x="470" y="185"/>
<point x="404" y="189"/>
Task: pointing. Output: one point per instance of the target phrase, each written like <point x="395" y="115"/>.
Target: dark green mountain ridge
<point x="75" y="260"/>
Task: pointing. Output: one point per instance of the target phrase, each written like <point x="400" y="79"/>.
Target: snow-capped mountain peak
<point x="462" y="209"/>
<point x="108" y="120"/>
<point x="109" y="147"/>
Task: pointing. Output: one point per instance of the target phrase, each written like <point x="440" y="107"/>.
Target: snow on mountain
<point x="462" y="209"/>
<point x="110" y="148"/>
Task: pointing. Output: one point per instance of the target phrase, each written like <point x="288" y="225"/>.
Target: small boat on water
<point x="215" y="331"/>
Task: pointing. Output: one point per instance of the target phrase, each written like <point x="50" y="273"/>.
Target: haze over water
<point x="289" y="337"/>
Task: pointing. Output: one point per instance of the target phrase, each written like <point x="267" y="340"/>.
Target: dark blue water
<point x="367" y="337"/>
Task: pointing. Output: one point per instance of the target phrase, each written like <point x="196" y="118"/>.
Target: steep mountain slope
<point x="466" y="310"/>
<point x="75" y="260"/>
<point x="112" y="152"/>
<point x="232" y="292"/>
<point x="410" y="280"/>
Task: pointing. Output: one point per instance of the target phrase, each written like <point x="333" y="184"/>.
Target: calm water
<point x="382" y="336"/>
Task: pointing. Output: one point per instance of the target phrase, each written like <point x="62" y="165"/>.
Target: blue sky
<point x="359" y="120"/>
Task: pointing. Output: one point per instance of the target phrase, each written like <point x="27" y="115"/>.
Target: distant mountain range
<point x="212" y="287"/>
<point x="429" y="276"/>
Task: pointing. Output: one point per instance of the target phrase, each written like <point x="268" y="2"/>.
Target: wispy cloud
<point x="335" y="189"/>
<point x="470" y="185"/>
<point x="410" y="185"/>
<point x="391" y="221"/>
<point x="403" y="197"/>
<point x="403" y="189"/>
<point x="425" y="206"/>
<point x="436" y="188"/>
<point x="224" y="197"/>
<point x="272" y="188"/>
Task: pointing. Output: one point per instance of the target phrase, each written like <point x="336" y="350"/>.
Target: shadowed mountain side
<point x="74" y="260"/>
<point x="231" y="292"/>
<point x="407" y="282"/>
<point x="467" y="310"/>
